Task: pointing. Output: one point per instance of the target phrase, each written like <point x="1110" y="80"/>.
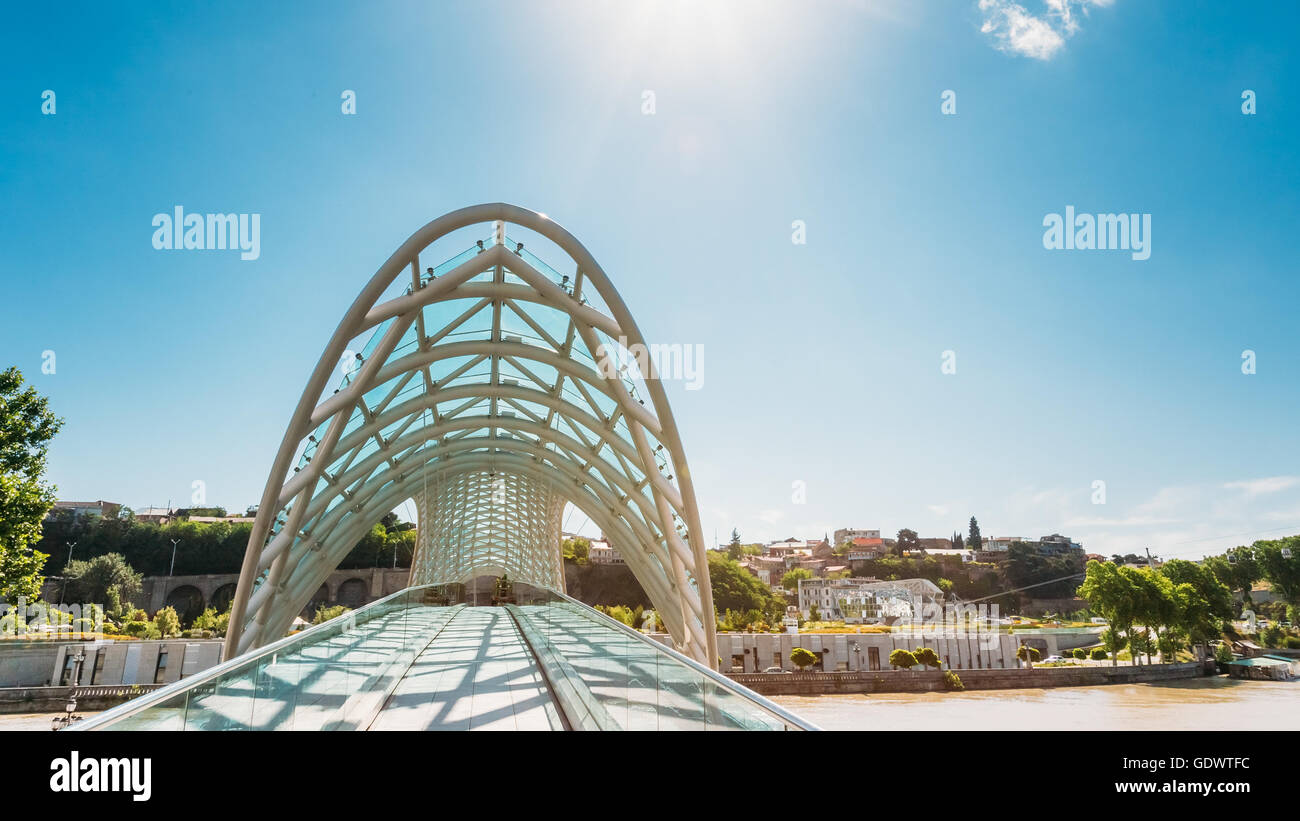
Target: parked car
<point x="1053" y="658"/>
<point x="775" y="670"/>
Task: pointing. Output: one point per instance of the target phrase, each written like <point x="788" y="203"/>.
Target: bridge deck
<point x="477" y="675"/>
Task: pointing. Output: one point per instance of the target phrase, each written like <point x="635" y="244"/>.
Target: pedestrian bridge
<point x="425" y="659"/>
<point x="495" y="390"/>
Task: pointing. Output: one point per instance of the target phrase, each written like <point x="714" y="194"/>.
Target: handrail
<point x="572" y="696"/>
<point x="717" y="678"/>
<point x="148" y="700"/>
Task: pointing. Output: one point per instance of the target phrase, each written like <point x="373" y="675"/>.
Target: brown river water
<point x="1217" y="703"/>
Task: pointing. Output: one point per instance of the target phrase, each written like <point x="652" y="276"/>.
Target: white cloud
<point x="771" y="517"/>
<point x="1015" y="30"/>
<point x="938" y="510"/>
<point x="1271" y="484"/>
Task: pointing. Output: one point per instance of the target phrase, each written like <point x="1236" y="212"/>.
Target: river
<point x="1216" y="703"/>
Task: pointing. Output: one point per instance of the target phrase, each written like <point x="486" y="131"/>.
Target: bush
<point x="802" y="658"/>
<point x="1292" y="642"/>
<point x="1099" y="654"/>
<point x="323" y="613"/>
<point x="902" y="658"/>
<point x="952" y="681"/>
<point x="1027" y="652"/>
<point x="84" y="625"/>
<point x="1223" y="654"/>
<point x="136" y="628"/>
<point x="1079" y="653"/>
<point x="927" y="657"/>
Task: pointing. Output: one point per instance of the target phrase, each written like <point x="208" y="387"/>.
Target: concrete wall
<point x="26" y="663"/>
<point x="135" y="662"/>
<point x="758" y="651"/>
<point x="900" y="681"/>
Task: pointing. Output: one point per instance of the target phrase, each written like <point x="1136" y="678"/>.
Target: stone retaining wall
<point x="921" y="681"/>
<point x="55" y="699"/>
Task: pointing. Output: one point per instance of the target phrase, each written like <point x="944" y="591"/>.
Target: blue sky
<point x="822" y="360"/>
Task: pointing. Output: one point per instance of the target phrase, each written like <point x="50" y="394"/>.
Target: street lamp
<point x="172" y="569"/>
<point x="71" y="707"/>
<point x="65" y="572"/>
<point x="857" y="654"/>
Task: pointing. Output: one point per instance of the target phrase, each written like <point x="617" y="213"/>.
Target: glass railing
<point x="332" y="676"/>
<point x="340" y="675"/>
<point x="624" y="680"/>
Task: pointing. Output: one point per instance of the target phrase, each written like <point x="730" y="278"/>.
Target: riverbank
<point x="926" y="681"/>
<point x="1211" y="703"/>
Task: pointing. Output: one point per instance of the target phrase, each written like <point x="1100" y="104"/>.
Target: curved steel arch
<point x="490" y="429"/>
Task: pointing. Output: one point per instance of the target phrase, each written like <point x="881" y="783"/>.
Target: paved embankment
<point x="920" y="681"/>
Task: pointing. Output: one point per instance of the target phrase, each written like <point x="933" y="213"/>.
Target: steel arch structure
<point x="492" y="390"/>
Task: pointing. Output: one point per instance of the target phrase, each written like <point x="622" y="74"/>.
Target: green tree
<point x="575" y="549"/>
<point x="790" y="581"/>
<point x="903" y="659"/>
<point x="26" y="428"/>
<point x="92" y="580"/>
<point x="1203" y="609"/>
<point x="907" y="540"/>
<point x="736" y="588"/>
<point x="1239" y="572"/>
<point x="802" y="658"/>
<point x="1112" y="595"/>
<point x="926" y="657"/>
<point x="1281" y="570"/>
<point x="734" y="550"/>
<point x="1028" y="654"/>
<point x="1223" y="654"/>
<point x="974" y="540"/>
<point x="167" y="622"/>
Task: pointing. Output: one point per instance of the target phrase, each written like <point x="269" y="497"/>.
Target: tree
<point x="907" y="540"/>
<point x="575" y="549"/>
<point x="974" y="541"/>
<point x="1201" y="618"/>
<point x="26" y="428"/>
<point x="927" y="657"/>
<point x="734" y="550"/>
<point x="1111" y="643"/>
<point x="1279" y="561"/>
<point x="106" y="578"/>
<point x="1110" y="594"/>
<point x="790" y="581"/>
<point x="1028" y="654"/>
<point x="802" y="658"/>
<point x="167" y="622"/>
<point x="736" y="588"/>
<point x="1239" y="571"/>
<point x="902" y="658"/>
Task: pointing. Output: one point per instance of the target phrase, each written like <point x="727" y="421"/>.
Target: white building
<point x="831" y="597"/>
<point x="600" y="552"/>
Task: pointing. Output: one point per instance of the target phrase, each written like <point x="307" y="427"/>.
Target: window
<point x="98" y="669"/>
<point x="160" y="671"/>
<point x="69" y="661"/>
